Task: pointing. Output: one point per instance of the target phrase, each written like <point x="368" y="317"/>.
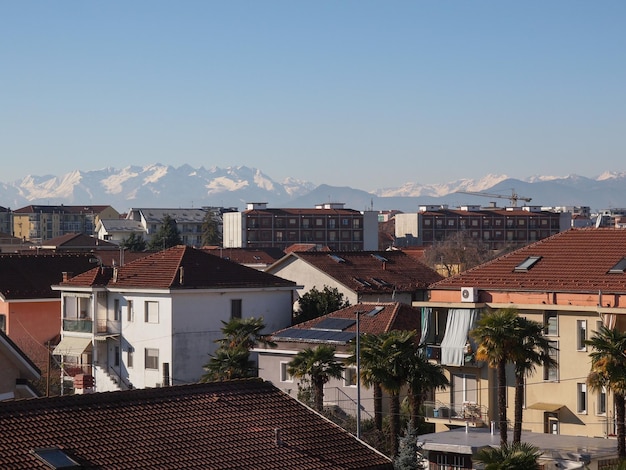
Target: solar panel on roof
<point x="375" y="311"/>
<point x="335" y="324"/>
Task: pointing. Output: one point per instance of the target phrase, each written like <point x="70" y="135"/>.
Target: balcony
<point x="79" y="326"/>
<point x="456" y="414"/>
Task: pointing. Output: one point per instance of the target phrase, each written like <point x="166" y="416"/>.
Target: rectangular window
<point x="117" y="356"/>
<point x="349" y="377"/>
<point x="116" y="309"/>
<point x="130" y="358"/>
<point x="3" y="323"/>
<point x="285" y="376"/>
<point x="582" y="397"/>
<point x="551" y="323"/>
<point x="552" y="373"/>
<point x="152" y="358"/>
<point x="601" y="407"/>
<point x="152" y="312"/>
<point x="130" y="314"/>
<point x="581" y="334"/>
<point x="235" y="308"/>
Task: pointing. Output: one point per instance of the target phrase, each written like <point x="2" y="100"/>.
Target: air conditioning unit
<point x="469" y="294"/>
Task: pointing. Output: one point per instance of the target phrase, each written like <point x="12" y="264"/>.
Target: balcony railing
<point x="80" y="326"/>
<point x="73" y="370"/>
<point x="466" y="412"/>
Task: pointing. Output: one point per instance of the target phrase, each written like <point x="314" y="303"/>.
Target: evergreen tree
<point x="315" y="303"/>
<point x="166" y="236"/>
<point x="408" y="457"/>
<point x="211" y="230"/>
<point x="134" y="243"/>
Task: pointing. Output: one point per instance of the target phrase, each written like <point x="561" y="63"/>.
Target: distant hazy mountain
<point x="166" y="186"/>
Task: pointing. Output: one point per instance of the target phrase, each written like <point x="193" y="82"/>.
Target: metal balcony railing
<point x="464" y="412"/>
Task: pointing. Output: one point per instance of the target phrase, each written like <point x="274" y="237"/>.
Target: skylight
<point x="380" y="258"/>
<point x="54" y="457"/>
<point x="375" y="311"/>
<point x="525" y="265"/>
<point x="619" y="268"/>
<point x="362" y="281"/>
<point x="380" y="282"/>
<point x="337" y="259"/>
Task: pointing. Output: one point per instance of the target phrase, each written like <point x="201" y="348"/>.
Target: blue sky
<point x="367" y="94"/>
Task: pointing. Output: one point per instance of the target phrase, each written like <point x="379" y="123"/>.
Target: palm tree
<point x="397" y="349"/>
<point x="517" y="456"/>
<point x="232" y="358"/>
<point x="532" y="349"/>
<point x="495" y="336"/>
<point x="608" y="369"/>
<point x="320" y="366"/>
<point x="423" y="377"/>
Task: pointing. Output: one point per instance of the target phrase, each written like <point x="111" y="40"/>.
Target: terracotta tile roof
<point x="29" y="276"/>
<point x="577" y="260"/>
<point x="179" y="267"/>
<point x="31" y="209"/>
<point x="304" y="247"/>
<point x="382" y="271"/>
<point x="392" y="316"/>
<point x="221" y="425"/>
<point x="76" y="240"/>
<point x="265" y="256"/>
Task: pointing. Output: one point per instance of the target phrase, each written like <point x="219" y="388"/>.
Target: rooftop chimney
<point x="67" y="276"/>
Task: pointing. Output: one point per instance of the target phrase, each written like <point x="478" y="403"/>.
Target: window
<point x="130" y="314"/>
<point x="551" y="323"/>
<point x="582" y="397"/>
<point x="552" y="373"/>
<point x="3" y="323"/>
<point x="581" y="335"/>
<point x="349" y="377"/>
<point x="116" y="310"/>
<point x="285" y="376"/>
<point x="130" y="358"/>
<point x="117" y="356"/>
<point x="601" y="405"/>
<point x="235" y="308"/>
<point x="152" y="358"/>
<point x="152" y="312"/>
<point x="525" y="265"/>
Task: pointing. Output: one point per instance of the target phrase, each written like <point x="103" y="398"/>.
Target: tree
<point x="517" y="456"/>
<point x="232" y="358"/>
<point x="457" y="253"/>
<point x="166" y="236"/>
<point x="495" y="335"/>
<point x="423" y="377"/>
<point x="531" y="349"/>
<point x="211" y="234"/>
<point x="134" y="242"/>
<point x="319" y="366"/>
<point x="315" y="303"/>
<point x="408" y="457"/>
<point x="608" y="369"/>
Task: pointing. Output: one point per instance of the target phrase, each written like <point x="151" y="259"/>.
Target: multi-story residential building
<point x="572" y="283"/>
<point x="497" y="227"/>
<point x="38" y="223"/>
<point x="18" y="371"/>
<point x="327" y="225"/>
<point x="6" y="221"/>
<point x="154" y="321"/>
<point x="189" y="222"/>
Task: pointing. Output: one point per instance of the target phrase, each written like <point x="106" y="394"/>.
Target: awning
<point x="552" y="407"/>
<point x="72" y="346"/>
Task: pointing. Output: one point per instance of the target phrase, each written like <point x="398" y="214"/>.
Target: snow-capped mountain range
<point x="166" y="186"/>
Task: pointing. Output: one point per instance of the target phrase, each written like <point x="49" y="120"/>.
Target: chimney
<point x="181" y="275"/>
<point x="67" y="276"/>
<point x="384" y="266"/>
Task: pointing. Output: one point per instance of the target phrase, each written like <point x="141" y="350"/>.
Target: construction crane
<point x="513" y="198"/>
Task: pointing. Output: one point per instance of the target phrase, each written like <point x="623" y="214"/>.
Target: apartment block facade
<point x="327" y="225"/>
<point x="497" y="227"/>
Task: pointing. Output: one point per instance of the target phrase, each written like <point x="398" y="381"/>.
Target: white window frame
<point x="285" y="376"/>
<point x="581" y="398"/>
<point x="349" y="377"/>
<point x="151" y="355"/>
<point x="601" y="402"/>
<point x="581" y="335"/>
<point x="151" y="311"/>
<point x="130" y="312"/>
